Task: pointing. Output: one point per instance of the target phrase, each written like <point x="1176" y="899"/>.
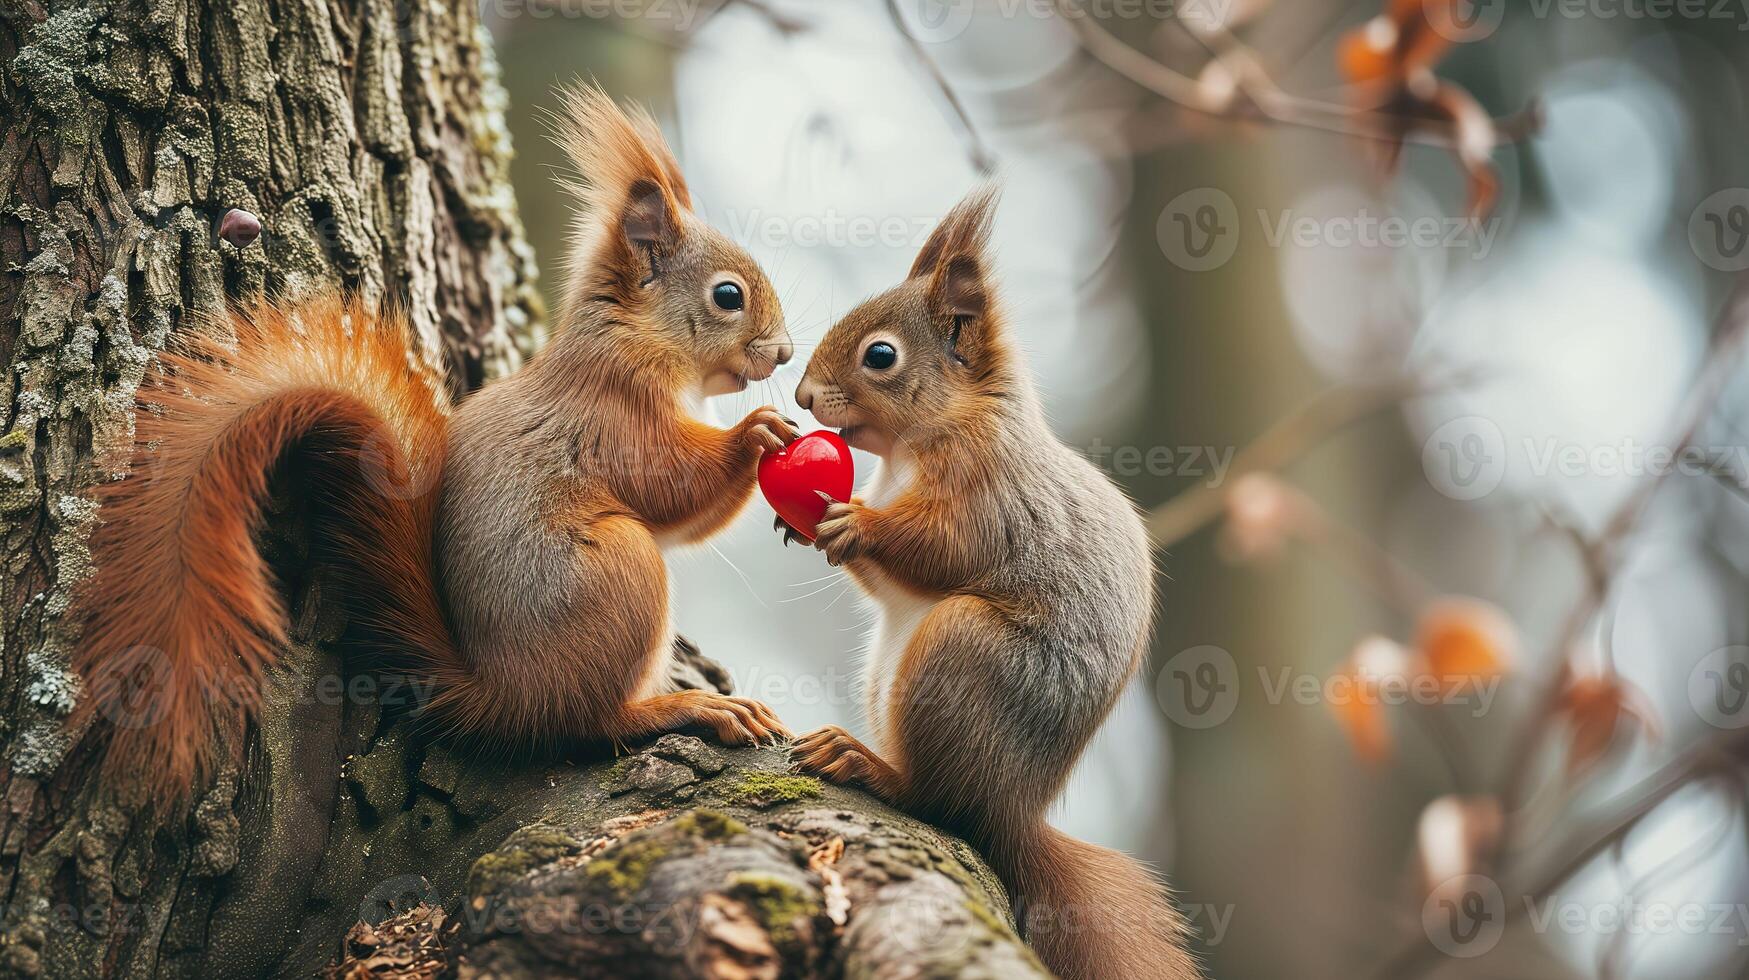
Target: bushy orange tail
<point x="182" y="619"/>
<point x="1092" y="913"/>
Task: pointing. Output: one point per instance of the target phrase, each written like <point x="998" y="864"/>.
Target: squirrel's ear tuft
<point x="955" y="264"/>
<point x="612" y="149"/>
<point x="965" y="231"/>
<point x="626" y="182"/>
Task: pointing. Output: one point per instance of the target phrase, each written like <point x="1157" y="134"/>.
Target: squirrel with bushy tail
<point x="1013" y="591"/>
<point x="508" y="551"/>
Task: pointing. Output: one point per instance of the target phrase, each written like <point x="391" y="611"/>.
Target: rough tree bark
<point x="368" y="136"/>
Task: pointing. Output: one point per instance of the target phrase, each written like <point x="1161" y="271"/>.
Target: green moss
<point x="18" y="490"/>
<point x="709" y="825"/>
<point x="761" y="788"/>
<point x="990" y="919"/>
<point x="780" y="905"/>
<point x="531" y="847"/>
<point x="615" y="774"/>
<point x="625" y="868"/>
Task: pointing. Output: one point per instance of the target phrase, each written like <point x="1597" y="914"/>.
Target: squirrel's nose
<point x="805" y="395"/>
<point x="786" y="352"/>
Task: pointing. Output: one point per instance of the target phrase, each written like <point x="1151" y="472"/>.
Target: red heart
<point x="791" y="476"/>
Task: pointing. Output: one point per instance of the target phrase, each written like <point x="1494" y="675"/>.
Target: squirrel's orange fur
<point x="509" y="551"/>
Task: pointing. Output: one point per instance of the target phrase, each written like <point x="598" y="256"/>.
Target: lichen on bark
<point x="638" y="867"/>
<point x="368" y="136"/>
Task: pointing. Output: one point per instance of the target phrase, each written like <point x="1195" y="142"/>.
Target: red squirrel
<point x="520" y="569"/>
<point x="1013" y="585"/>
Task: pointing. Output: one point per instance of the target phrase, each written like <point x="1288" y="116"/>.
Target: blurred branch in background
<point x="976" y="150"/>
<point x="1575" y="595"/>
<point x="1589" y="702"/>
<point x="1393" y="96"/>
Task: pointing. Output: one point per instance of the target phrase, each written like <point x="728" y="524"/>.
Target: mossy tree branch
<point x="367" y="136"/>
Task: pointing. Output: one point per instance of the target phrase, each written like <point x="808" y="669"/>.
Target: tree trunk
<point x="368" y="137"/>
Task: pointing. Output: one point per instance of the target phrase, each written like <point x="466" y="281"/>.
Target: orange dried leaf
<point x="1464" y="640"/>
<point x="1364" y="724"/>
<point x="1356" y="703"/>
<point x="1369" y="52"/>
<point x="1401" y="42"/>
<point x="1595" y="708"/>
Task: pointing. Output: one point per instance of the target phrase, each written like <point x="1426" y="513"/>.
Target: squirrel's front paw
<point x="839" y="534"/>
<point x="835" y="754"/>
<point x="765" y="430"/>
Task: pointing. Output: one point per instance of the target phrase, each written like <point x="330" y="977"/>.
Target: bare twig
<point x="1721" y="755"/>
<point x="1265" y="101"/>
<point x="976" y="149"/>
<point x="1283" y="443"/>
<point x="1734" y="326"/>
<point x="1718" y="755"/>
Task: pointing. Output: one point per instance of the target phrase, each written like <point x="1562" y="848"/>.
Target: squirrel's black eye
<point x="880" y="356"/>
<point x="727" y="296"/>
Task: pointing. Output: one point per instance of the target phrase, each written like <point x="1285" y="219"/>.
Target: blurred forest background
<point x="1499" y="389"/>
